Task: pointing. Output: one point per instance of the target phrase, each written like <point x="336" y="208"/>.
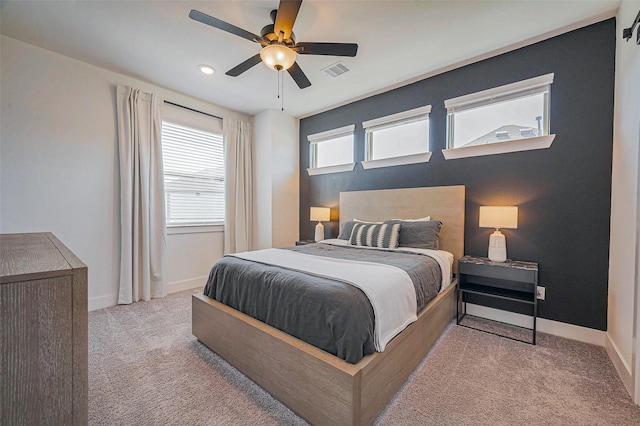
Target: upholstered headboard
<point x="443" y="203"/>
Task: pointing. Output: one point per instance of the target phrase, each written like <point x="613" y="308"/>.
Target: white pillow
<point x="422" y="219"/>
<point x="366" y="221"/>
<point x="426" y="218"/>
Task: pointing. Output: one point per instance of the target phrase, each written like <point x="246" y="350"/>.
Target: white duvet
<point x="389" y="289"/>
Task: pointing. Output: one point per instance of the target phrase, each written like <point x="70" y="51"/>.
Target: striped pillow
<point x="384" y="235"/>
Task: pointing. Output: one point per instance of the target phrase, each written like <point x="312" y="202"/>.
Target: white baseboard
<point x="569" y="331"/>
<point x="623" y="369"/>
<point x="102" y="302"/>
<point x="112" y="299"/>
<point x="177" y="286"/>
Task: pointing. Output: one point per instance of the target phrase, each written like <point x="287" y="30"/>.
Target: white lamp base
<point x="319" y="232"/>
<point x="497" y="247"/>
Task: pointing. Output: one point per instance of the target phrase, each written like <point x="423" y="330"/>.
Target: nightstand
<point x="304" y="242"/>
<point x="510" y="280"/>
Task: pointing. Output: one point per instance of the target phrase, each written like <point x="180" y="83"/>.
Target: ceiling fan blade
<point x="286" y="17"/>
<point x="331" y="49"/>
<point x="239" y="69"/>
<point x="298" y="76"/>
<point x="221" y="25"/>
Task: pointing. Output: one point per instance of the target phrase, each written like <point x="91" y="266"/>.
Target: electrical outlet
<point x="540" y="292"/>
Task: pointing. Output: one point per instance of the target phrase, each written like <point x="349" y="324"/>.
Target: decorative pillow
<point x="345" y="231"/>
<point x="419" y="234"/>
<point x="347" y="227"/>
<point x="384" y="235"/>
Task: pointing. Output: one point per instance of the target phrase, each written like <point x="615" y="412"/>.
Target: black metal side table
<point x="510" y="280"/>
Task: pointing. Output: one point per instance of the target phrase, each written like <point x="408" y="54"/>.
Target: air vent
<point x="336" y="69"/>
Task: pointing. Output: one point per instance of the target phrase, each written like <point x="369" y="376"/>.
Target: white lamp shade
<point x="320" y="214"/>
<point x="499" y="217"/>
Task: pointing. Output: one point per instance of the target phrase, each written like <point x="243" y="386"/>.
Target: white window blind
<point x="500" y="94"/>
<point x="193" y="175"/>
<point x="399" y="119"/>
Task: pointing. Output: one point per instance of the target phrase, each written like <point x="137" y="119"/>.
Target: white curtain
<point x="238" y="221"/>
<point x="142" y="213"/>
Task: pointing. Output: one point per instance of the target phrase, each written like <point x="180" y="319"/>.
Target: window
<point x="396" y="139"/>
<point x="331" y="151"/>
<point x="193" y="175"/>
<point x="514" y="116"/>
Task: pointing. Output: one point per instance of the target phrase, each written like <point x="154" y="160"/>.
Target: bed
<point x="320" y="387"/>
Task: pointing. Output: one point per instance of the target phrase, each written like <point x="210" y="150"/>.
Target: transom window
<point x="331" y="151"/>
<point x="405" y="133"/>
<point x="507" y="113"/>
<point x="193" y="175"/>
<point x="396" y="139"/>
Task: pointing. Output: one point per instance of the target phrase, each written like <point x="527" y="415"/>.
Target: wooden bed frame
<point x="316" y="385"/>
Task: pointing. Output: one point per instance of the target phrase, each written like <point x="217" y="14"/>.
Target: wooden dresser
<point x="43" y="332"/>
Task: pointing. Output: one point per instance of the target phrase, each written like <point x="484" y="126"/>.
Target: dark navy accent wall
<point x="563" y="193"/>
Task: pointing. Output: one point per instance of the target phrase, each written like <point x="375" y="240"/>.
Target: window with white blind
<point x="509" y="118"/>
<point x="397" y="139"/>
<point x="193" y="175"/>
<point x="331" y="151"/>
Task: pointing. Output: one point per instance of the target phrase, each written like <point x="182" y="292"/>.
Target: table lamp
<point x="320" y="214"/>
<point x="498" y="217"/>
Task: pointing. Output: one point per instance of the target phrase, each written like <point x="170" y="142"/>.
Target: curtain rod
<point x="191" y="109"/>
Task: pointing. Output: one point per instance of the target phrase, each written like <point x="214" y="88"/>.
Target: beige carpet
<point x="145" y="368"/>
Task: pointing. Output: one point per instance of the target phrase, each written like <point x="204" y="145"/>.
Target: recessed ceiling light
<point x="206" y="69"/>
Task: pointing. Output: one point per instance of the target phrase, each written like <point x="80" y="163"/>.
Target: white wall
<point x="285" y="190"/>
<point x="623" y="280"/>
<point x="262" y="230"/>
<point x="277" y="180"/>
<point x="190" y="256"/>
<point x="59" y="164"/>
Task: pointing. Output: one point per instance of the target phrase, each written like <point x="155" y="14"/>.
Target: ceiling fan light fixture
<point x="279" y="46"/>
<point x="278" y="57"/>
<point x="206" y="69"/>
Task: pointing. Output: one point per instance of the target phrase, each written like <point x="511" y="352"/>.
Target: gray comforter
<point x="331" y="315"/>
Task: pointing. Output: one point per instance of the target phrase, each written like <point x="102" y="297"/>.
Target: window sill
<point x="518" y="145"/>
<point x="331" y="169"/>
<point x="423" y="157"/>
<point x="194" y="229"/>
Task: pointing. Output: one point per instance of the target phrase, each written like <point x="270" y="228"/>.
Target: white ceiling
<point x="398" y="41"/>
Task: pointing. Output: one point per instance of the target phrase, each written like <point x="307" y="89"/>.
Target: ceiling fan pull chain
<point x="282" y="85"/>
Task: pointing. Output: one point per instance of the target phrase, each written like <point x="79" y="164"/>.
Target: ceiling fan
<point x="278" y="42"/>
